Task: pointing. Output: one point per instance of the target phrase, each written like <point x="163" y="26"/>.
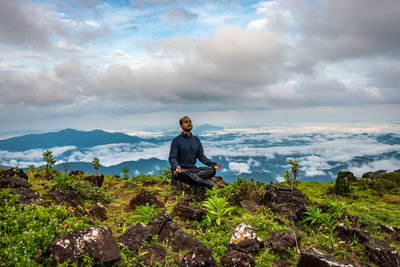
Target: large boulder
<point x="280" y="241"/>
<point x="245" y="240"/>
<point x="135" y="235"/>
<point x="95" y="179"/>
<point x="236" y="258"/>
<point x="144" y="197"/>
<point x="312" y="257"/>
<point x="29" y="197"/>
<point x="291" y="202"/>
<point x="187" y="212"/>
<point x="14" y="182"/>
<point x="14" y="172"/>
<point x="96" y="242"/>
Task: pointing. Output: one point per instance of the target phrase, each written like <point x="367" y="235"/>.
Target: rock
<point x="250" y="206"/>
<point x="379" y="252"/>
<point x="158" y="222"/>
<point x="281" y="263"/>
<point x="65" y="196"/>
<point x="283" y="199"/>
<point x="382" y="254"/>
<point x="95" y="179"/>
<point x="154" y="254"/>
<point x="386" y="228"/>
<point x="144" y="197"/>
<point x="166" y="229"/>
<point x="187" y="212"/>
<point x="97" y="242"/>
<point x="315" y="258"/>
<point x="182" y="241"/>
<point x="29" y="197"/>
<point x="348" y="234"/>
<point x="14" y="182"/>
<point x="280" y="241"/>
<point x="198" y="257"/>
<point x="236" y="258"/>
<point x="98" y="212"/>
<point x="76" y="173"/>
<point x="13" y="172"/>
<point x="135" y="235"/>
<point x="245" y="240"/>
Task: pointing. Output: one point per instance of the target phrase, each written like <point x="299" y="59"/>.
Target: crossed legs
<point x="196" y="176"/>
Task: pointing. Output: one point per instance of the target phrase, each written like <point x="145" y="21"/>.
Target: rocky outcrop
<point x="312" y="257"/>
<point x="135" y="235"/>
<point x="97" y="242"/>
<point x="14" y="172"/>
<point x="236" y="258"/>
<point x="14" y="182"/>
<point x="187" y="212"/>
<point x="280" y="241"/>
<point x="283" y="199"/>
<point x="66" y="196"/>
<point x="144" y="197"/>
<point x="379" y="251"/>
<point x="245" y="240"/>
<point x="95" y="179"/>
<point x="199" y="257"/>
<point x="153" y="255"/>
<point x="98" y="212"/>
<point x="29" y="197"/>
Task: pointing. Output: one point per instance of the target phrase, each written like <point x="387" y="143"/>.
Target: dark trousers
<point x="196" y="176"/>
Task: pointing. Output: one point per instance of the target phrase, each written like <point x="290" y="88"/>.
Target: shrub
<point x="216" y="208"/>
<point x="342" y="184"/>
<point x="291" y="177"/>
<point x="145" y="213"/>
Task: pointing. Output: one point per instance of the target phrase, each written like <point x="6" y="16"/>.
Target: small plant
<point x="291" y="177"/>
<point x="125" y="172"/>
<point x="313" y="215"/>
<point x="50" y="161"/>
<point x="96" y="164"/>
<point x="216" y="208"/>
<point x="61" y="180"/>
<point x="145" y="213"/>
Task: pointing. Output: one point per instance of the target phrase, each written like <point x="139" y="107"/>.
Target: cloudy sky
<point x="119" y="64"/>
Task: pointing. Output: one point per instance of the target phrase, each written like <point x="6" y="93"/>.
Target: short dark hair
<point x="181" y="120"/>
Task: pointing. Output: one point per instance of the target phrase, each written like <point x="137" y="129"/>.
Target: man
<point x="185" y="149"/>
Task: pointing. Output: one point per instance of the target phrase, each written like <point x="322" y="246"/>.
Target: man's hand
<point x="178" y="169"/>
<point x="217" y="166"/>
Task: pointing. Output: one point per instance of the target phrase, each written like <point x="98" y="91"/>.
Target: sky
<point x="91" y="64"/>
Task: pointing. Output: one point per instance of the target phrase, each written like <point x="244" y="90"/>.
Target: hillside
<point x="159" y="224"/>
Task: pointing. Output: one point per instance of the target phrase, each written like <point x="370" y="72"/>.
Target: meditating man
<point x="185" y="149"/>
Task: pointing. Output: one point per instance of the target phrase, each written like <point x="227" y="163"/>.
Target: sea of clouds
<point x="321" y="150"/>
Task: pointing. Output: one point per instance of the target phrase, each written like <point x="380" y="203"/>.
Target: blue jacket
<point x="185" y="150"/>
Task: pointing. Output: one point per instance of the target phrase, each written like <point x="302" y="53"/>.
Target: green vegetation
<point x="96" y="164"/>
<point x="28" y="230"/>
<point x="48" y="158"/>
<point x="291" y="177"/>
<point x="125" y="172"/>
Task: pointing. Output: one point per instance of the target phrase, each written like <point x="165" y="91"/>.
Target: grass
<point x="372" y="208"/>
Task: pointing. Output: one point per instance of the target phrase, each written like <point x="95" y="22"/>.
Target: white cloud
<point x="385" y="164"/>
<point x="239" y="167"/>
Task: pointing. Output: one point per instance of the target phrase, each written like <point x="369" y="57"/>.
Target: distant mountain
<point x="206" y="127"/>
<point x="67" y="137"/>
